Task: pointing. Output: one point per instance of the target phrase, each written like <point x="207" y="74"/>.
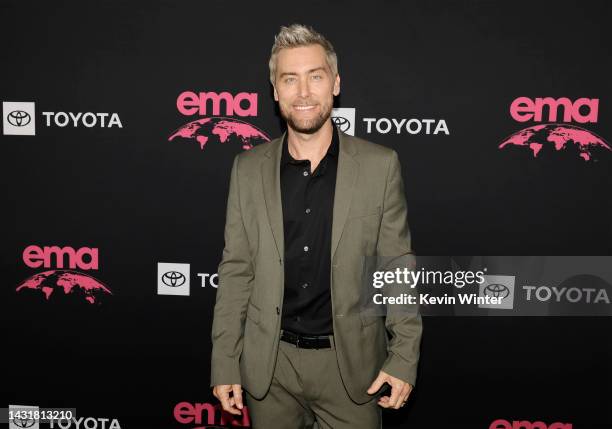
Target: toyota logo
<point x="341" y="122"/>
<point x="173" y="279"/>
<point x="497" y="290"/>
<point x="18" y="118"/>
<point x="24" y="423"/>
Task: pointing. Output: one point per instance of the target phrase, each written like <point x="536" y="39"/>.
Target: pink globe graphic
<point x="55" y="284"/>
<point x="558" y="137"/>
<point x="221" y="130"/>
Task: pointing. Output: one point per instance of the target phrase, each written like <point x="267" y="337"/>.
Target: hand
<point x="400" y="390"/>
<point x="232" y="405"/>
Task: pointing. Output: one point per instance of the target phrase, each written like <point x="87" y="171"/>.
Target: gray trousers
<point x="307" y="392"/>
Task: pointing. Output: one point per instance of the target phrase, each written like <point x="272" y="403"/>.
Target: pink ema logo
<point x="70" y="282"/>
<point x="189" y="103"/>
<point x="524" y="109"/>
<point x="54" y="256"/>
<point x="219" y="129"/>
<point x="524" y="424"/>
<point x="556" y="136"/>
<point x="187" y="413"/>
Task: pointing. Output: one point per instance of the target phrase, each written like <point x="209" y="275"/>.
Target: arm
<point x="235" y="281"/>
<point x="394" y="241"/>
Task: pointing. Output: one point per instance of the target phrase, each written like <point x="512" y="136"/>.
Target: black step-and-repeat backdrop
<point x="120" y="121"/>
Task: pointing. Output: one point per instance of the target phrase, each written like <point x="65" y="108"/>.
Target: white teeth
<point x="304" y="107"/>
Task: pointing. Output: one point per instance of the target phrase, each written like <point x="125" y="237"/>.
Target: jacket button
<point x="277" y="310"/>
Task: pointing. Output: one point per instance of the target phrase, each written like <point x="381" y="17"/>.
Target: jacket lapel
<point x="270" y="175"/>
<point x="346" y="177"/>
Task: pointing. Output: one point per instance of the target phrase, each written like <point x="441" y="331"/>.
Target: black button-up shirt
<point x="308" y="205"/>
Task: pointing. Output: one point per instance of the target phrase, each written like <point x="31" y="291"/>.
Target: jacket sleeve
<point x="394" y="244"/>
<point x="234" y="289"/>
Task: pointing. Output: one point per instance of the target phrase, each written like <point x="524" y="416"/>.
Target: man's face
<point x="305" y="87"/>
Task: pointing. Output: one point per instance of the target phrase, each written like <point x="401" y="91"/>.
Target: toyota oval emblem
<point x="18" y="118"/>
<point x="173" y="279"/>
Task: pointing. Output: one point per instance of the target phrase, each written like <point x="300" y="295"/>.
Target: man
<point x="303" y="211"/>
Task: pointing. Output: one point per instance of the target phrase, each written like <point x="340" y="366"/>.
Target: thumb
<point x="377" y="384"/>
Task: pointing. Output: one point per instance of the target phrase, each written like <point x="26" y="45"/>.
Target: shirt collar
<point x="332" y="150"/>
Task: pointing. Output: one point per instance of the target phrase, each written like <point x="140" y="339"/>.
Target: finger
<point x="403" y="396"/>
<point x="225" y="403"/>
<point x="232" y="410"/>
<point x="395" y="396"/>
<point x="238" y="395"/>
<point x="408" y="392"/>
<point x="384" y="401"/>
<point x="405" y="392"/>
<point x="377" y="384"/>
<point x="223" y="397"/>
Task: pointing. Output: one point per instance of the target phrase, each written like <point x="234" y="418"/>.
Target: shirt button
<point x="307" y="211"/>
<point x="305" y="173"/>
<point x="305" y="285"/>
<point x="305" y="248"/>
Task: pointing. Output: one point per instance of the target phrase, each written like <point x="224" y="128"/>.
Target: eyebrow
<point x="308" y="72"/>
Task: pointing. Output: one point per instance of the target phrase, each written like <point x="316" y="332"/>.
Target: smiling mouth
<point x="304" y="108"/>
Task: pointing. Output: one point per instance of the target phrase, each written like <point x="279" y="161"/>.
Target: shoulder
<point x="253" y="157"/>
<point x="370" y="152"/>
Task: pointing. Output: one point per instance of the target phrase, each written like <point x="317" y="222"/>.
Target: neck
<point x="310" y="146"/>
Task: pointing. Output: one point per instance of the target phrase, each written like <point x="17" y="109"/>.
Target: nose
<point x="304" y="89"/>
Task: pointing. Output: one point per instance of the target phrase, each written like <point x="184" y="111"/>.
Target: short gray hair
<point x="301" y="35"/>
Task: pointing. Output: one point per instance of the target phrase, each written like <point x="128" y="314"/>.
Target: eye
<point x="289" y="80"/>
<point x="317" y="77"/>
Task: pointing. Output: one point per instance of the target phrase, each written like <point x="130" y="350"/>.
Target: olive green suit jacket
<point x="369" y="218"/>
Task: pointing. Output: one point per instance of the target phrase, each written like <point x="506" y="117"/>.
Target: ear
<point x="337" y="85"/>
<point x="275" y="93"/>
